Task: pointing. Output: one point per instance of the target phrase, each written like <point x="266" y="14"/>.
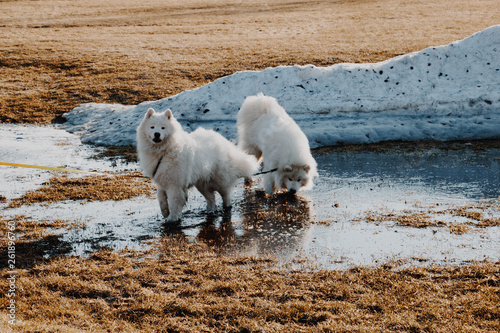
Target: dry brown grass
<point x="432" y="216"/>
<point x="475" y="213"/>
<point x="54" y="56"/>
<point x="101" y="188"/>
<point x="35" y="239"/>
<point x="412" y="146"/>
<point x="29" y="229"/>
<point x="189" y="288"/>
<point x="127" y="154"/>
<point x="181" y="286"/>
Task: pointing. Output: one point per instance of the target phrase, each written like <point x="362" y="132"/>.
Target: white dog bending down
<point x="265" y="129"/>
<point x="177" y="160"/>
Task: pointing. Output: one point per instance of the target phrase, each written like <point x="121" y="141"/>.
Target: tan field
<point x="55" y="55"/>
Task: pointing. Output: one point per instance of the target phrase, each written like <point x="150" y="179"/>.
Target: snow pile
<point x="448" y="92"/>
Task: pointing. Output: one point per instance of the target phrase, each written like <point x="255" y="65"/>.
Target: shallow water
<point x="329" y="226"/>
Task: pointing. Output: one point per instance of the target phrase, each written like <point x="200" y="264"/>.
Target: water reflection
<point x="218" y="234"/>
<point x="257" y="224"/>
<point x="351" y="184"/>
<point x="260" y="224"/>
<point x="274" y="224"/>
<point x="474" y="173"/>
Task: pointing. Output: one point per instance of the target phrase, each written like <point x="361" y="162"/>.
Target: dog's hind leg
<point x="209" y="195"/>
<point x="162" y="200"/>
<point x="226" y="197"/>
<point x="177" y="198"/>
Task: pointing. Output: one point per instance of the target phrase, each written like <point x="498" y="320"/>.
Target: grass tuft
<point x="100" y="188"/>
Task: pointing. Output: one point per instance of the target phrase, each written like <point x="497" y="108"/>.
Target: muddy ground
<point x="55" y="55"/>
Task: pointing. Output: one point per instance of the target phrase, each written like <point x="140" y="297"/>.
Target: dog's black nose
<point x="157" y="138"/>
<point x="293" y="191"/>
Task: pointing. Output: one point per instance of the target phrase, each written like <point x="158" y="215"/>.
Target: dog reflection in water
<point x="284" y="210"/>
<point x="269" y="224"/>
<point x="217" y="234"/>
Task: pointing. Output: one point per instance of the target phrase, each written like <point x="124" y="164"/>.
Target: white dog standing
<point x="266" y="130"/>
<point x="177" y="160"/>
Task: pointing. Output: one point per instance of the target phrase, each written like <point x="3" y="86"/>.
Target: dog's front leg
<point x="161" y="194"/>
<point x="177" y="198"/>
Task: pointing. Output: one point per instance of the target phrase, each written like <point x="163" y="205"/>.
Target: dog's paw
<point x="165" y="213"/>
<point x="173" y="218"/>
<point x="270" y="190"/>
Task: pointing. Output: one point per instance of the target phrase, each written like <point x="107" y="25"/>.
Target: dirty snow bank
<point x="448" y="92"/>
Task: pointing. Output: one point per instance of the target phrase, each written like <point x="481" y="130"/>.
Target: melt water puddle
<point x="367" y="208"/>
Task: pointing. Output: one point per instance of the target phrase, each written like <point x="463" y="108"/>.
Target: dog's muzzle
<point x="157" y="138"/>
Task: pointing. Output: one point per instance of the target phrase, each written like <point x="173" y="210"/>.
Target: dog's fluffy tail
<point x="255" y="106"/>
<point x="243" y="165"/>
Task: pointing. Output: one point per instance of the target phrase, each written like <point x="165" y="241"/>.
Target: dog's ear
<point x="150" y="113"/>
<point x="287" y="168"/>
<point x="306" y="168"/>
<point x="169" y="114"/>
